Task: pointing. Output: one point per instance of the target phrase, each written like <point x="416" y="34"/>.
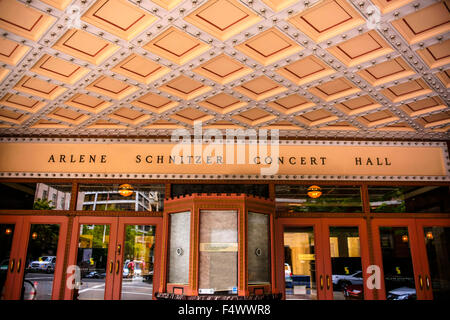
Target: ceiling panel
<point x="311" y="69"/>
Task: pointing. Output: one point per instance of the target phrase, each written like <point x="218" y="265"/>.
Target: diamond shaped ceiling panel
<point x="269" y="46"/>
<point x="176" y="46"/>
<point x="223" y="69"/>
<point x="88" y="103"/>
<point x="140" y="69"/>
<point x="59" y="69"/>
<point x="260" y="88"/>
<point x="112" y="88"/>
<point x="436" y="55"/>
<point x="118" y="17"/>
<point x="185" y="88"/>
<point x="223" y="18"/>
<point x="407" y="90"/>
<point x="335" y="89"/>
<point x="426" y="23"/>
<point x="154" y="103"/>
<point x="85" y="46"/>
<point x="39" y="88"/>
<point x="435" y="119"/>
<point x="20" y="19"/>
<point x="222" y="103"/>
<point x="377" y="118"/>
<point x="361" y="48"/>
<point x="21" y="103"/>
<point x="327" y="19"/>
<point x="291" y="104"/>
<point x="321" y="68"/>
<point x="254" y="116"/>
<point x="68" y="116"/>
<point x="11" y="52"/>
<point x="306" y="70"/>
<point x="12" y="116"/>
<point x="190" y="116"/>
<point x="317" y="117"/>
<point x="358" y="105"/>
<point x="387" y="71"/>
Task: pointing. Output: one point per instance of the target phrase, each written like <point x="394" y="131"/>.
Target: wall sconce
<point x="405" y="238"/>
<point x="125" y="190"/>
<point x="429" y="235"/>
<point x="8" y="231"/>
<point x="314" y="192"/>
<point x="34" y="235"/>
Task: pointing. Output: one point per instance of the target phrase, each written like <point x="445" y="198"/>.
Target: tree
<point x="43" y="204"/>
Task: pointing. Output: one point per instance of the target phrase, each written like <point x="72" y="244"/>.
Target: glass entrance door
<point x="35" y="256"/>
<point x="434" y="246"/>
<point x="10" y="229"/>
<point x="325" y="259"/>
<point x="92" y="252"/>
<point x="346" y="259"/>
<point x="397" y="252"/>
<point x="137" y="252"/>
<point x="302" y="252"/>
<point x="117" y="258"/>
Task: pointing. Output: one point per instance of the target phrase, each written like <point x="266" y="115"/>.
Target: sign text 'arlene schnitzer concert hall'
<point x="321" y="158"/>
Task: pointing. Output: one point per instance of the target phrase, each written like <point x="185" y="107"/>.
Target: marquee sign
<point x="160" y="159"/>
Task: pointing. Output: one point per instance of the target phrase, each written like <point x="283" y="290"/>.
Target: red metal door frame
<point x="12" y="274"/>
<point x="425" y="271"/>
<point x="280" y="226"/>
<point x="72" y="260"/>
<point x="416" y="255"/>
<point x="123" y="222"/>
<point x="364" y="248"/>
<point x="13" y="286"/>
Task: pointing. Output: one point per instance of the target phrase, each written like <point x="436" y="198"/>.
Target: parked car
<point x="353" y="291"/>
<point x="402" y="293"/>
<point x="4" y="265"/>
<point x="342" y="280"/>
<point x="95" y="275"/>
<point x="43" y="264"/>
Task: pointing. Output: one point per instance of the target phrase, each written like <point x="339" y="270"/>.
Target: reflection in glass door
<point x="39" y="268"/>
<point x="6" y="240"/>
<point x="437" y="246"/>
<point x="346" y="264"/>
<point x="138" y="262"/>
<point x="397" y="263"/>
<point x="92" y="255"/>
<point x="300" y="263"/>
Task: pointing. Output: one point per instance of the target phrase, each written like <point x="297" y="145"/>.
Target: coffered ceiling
<point x="139" y="68"/>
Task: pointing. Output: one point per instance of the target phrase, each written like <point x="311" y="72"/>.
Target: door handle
<point x="117" y="266"/>
<point x="19" y="264"/>
<point x="11" y="266"/>
<point x="111" y="265"/>
<point x="427" y="282"/>
<point x="421" y="282"/>
<point x="321" y="282"/>
<point x="328" y="282"/>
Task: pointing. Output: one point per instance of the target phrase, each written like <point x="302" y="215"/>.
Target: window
<point x="179" y="241"/>
<point x="294" y="198"/>
<point x="107" y="197"/>
<point x="24" y="196"/>
<point x="411" y="199"/>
